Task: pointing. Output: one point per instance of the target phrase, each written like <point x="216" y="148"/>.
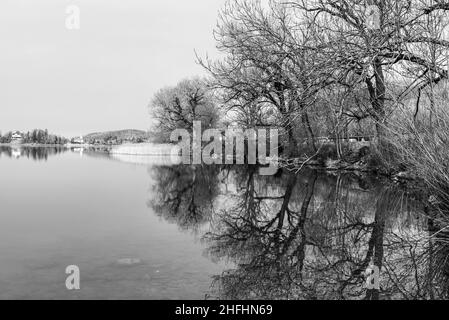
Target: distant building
<point x="16" y="137"/>
<point x="79" y="140"/>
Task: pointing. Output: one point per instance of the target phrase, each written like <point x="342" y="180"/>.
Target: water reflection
<point x="305" y="236"/>
<point x="34" y="153"/>
<point x="185" y="194"/>
<point x="308" y="236"/>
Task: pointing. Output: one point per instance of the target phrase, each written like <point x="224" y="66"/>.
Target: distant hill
<point x="116" y="137"/>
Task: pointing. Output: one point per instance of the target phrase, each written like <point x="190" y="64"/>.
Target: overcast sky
<point x="102" y="76"/>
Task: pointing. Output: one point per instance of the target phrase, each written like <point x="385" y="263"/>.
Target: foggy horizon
<point x="101" y="77"/>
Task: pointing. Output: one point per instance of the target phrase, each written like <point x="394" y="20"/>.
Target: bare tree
<point x="376" y="56"/>
<point x="177" y="107"/>
<point x="267" y="66"/>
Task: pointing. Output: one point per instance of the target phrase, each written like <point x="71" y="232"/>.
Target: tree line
<point x="38" y="136"/>
<point x="325" y="68"/>
<point x="316" y="68"/>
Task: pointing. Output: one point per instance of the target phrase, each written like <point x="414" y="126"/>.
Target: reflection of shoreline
<point x="34" y="152"/>
<point x="157" y="160"/>
<point x="304" y="236"/>
<point x="146" y="154"/>
<point x="143" y="149"/>
<point x="16" y="152"/>
<point x="31" y="145"/>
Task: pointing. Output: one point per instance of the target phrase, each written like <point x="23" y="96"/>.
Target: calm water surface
<point x="148" y="231"/>
<point x="91" y="212"/>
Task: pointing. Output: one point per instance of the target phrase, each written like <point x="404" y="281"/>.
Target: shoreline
<point x="333" y="166"/>
<point x="30" y="145"/>
<point x="67" y="145"/>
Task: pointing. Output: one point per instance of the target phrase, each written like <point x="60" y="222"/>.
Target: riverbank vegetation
<point x="116" y="137"/>
<point x="305" y="236"/>
<point x="350" y="84"/>
<point x="178" y="106"/>
<point x="36" y="136"/>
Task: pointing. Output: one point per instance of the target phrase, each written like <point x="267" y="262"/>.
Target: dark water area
<point x="34" y="153"/>
<point x="205" y="232"/>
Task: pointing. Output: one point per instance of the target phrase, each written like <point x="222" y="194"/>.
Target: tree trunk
<point x="306" y="122"/>
<point x="379" y="101"/>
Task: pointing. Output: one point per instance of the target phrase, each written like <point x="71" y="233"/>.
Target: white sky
<point x="102" y="76"/>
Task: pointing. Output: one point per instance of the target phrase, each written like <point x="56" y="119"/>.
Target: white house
<point x="16" y="137"/>
<point x="79" y="140"/>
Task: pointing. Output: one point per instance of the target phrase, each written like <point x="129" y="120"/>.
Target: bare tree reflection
<point x="314" y="237"/>
<point x="34" y="153"/>
<point x="185" y="194"/>
<point x="311" y="235"/>
<point x="264" y="237"/>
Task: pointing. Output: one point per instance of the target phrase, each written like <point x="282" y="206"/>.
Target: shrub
<point x="423" y="147"/>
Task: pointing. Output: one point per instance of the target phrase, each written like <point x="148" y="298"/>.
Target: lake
<point x="148" y="230"/>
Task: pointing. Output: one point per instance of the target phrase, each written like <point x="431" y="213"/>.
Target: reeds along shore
<point x="148" y="149"/>
<point x="145" y="154"/>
